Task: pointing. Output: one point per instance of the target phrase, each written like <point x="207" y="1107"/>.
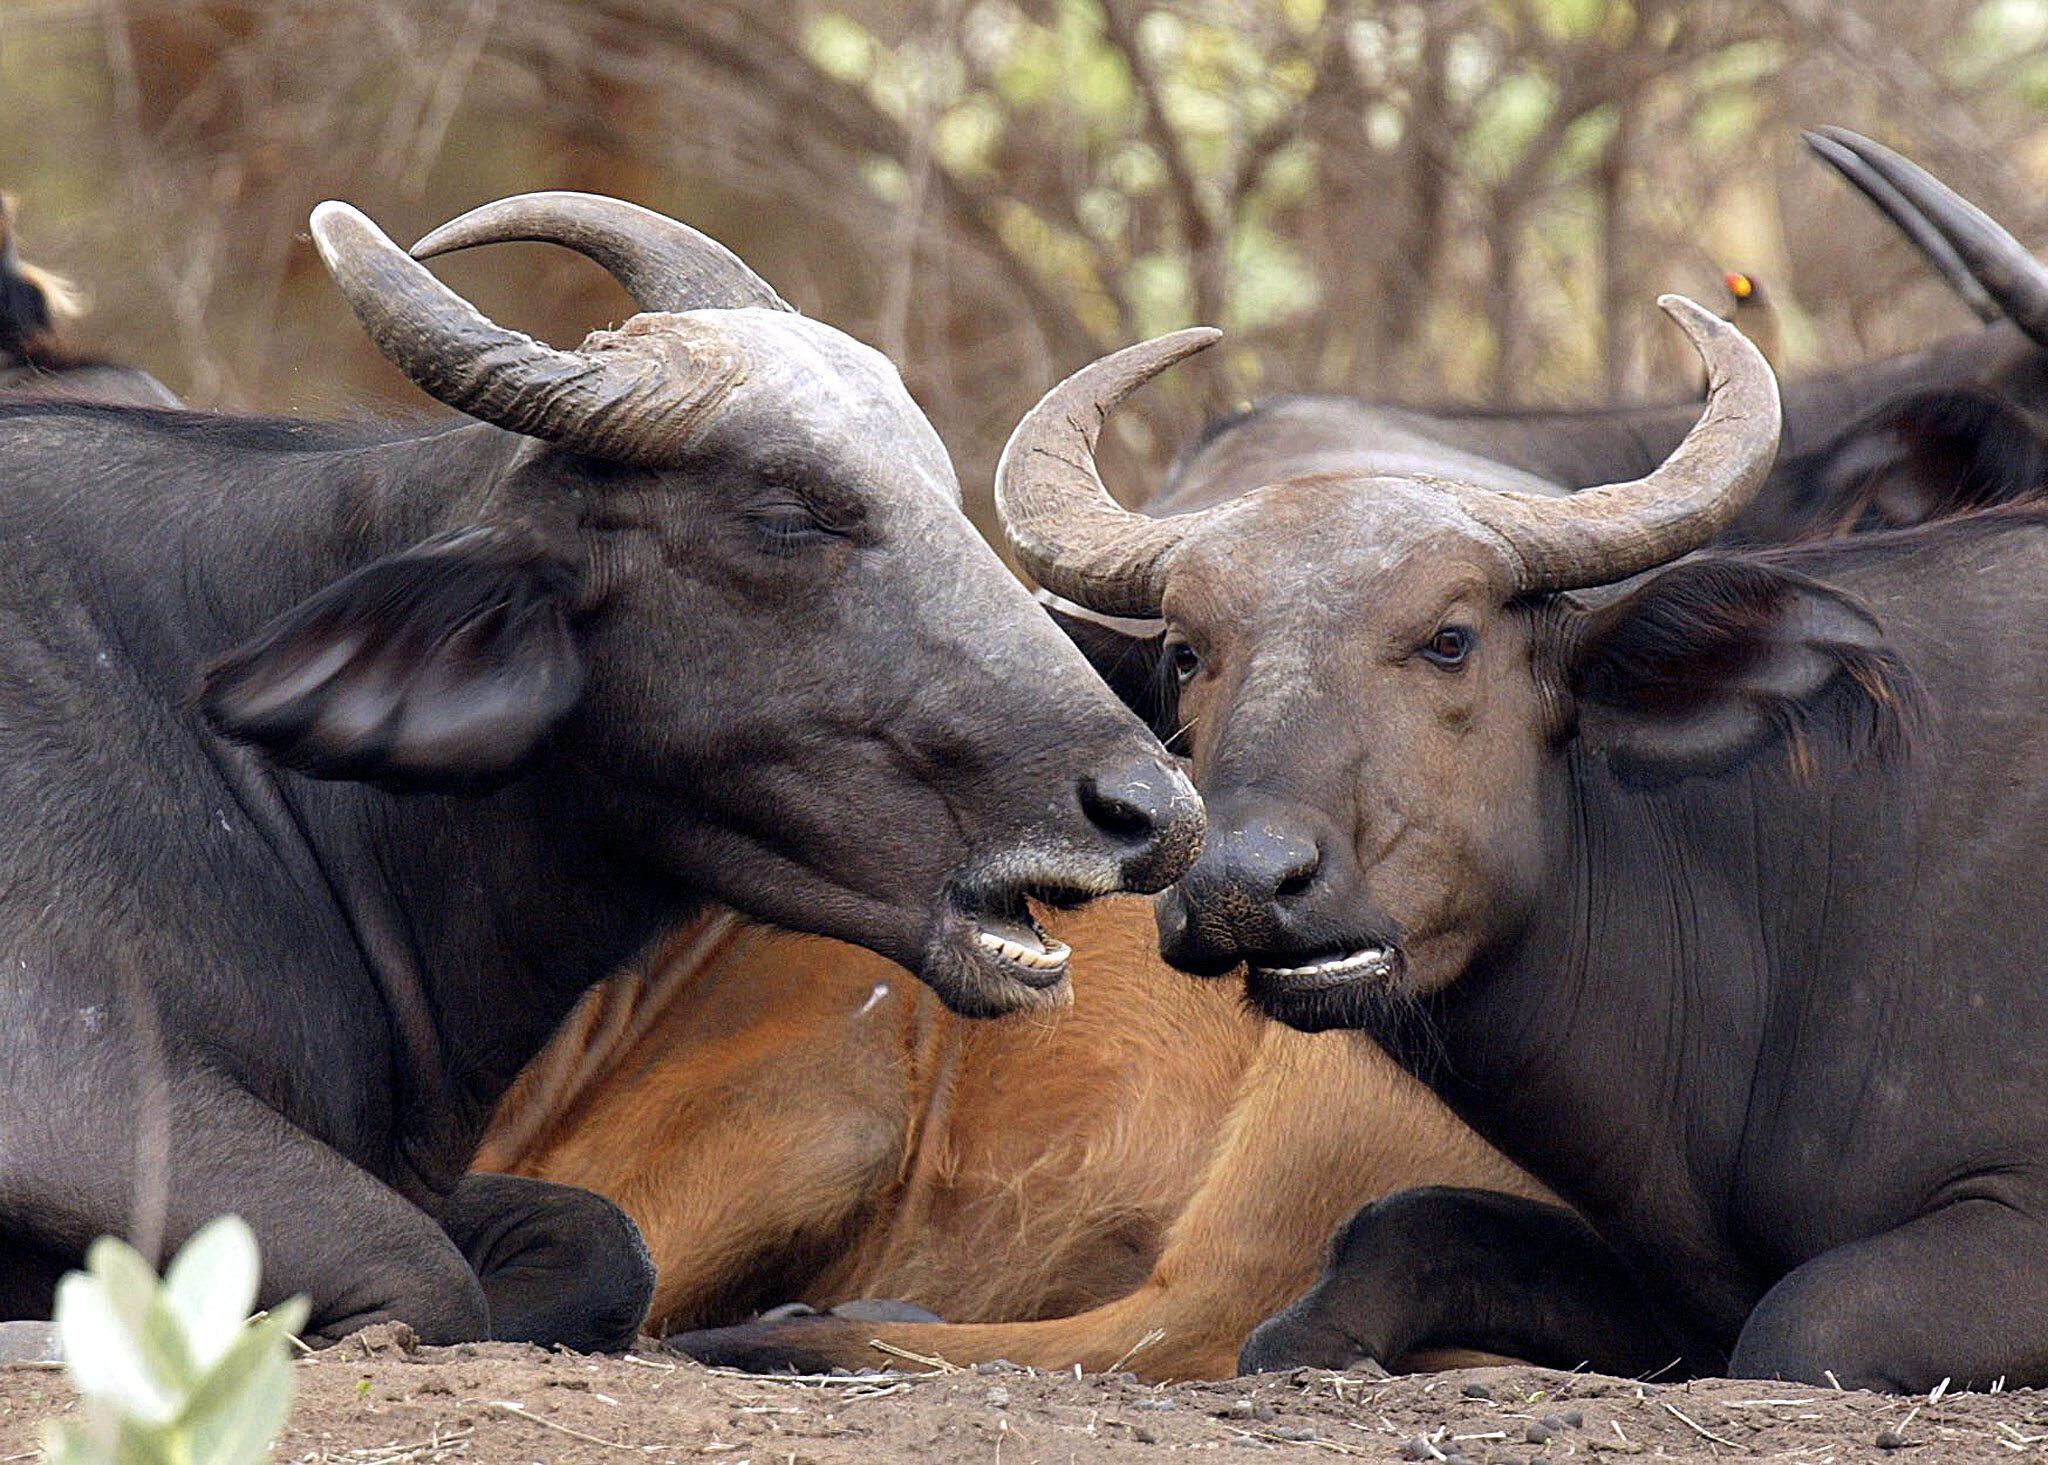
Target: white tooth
<point x="1358" y="961"/>
<point x="1051" y="959"/>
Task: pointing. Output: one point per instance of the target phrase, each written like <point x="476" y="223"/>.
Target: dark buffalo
<point x="35" y="359"/>
<point x="1710" y="889"/>
<point x="337" y="762"/>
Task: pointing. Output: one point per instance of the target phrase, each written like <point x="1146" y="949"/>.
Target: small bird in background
<point x="1752" y="313"/>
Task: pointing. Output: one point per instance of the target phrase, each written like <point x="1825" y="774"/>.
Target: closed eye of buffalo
<point x="789" y="526"/>
<point x="1449" y="647"/>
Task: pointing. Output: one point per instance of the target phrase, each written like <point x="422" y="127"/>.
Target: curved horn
<point x="664" y="264"/>
<point x="635" y="395"/>
<point x="1062" y="522"/>
<point x="1600" y="535"/>
<point x="1924" y="237"/>
<point x="2013" y="280"/>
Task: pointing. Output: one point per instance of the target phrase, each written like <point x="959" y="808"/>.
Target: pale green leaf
<point x="165" y="1352"/>
<point x="129" y="1282"/>
<point x="65" y="1443"/>
<point x="104" y="1353"/>
<point x="211" y="1286"/>
<point x="242" y="1405"/>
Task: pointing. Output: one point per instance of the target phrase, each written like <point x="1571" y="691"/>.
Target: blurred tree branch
<point x="1466" y="198"/>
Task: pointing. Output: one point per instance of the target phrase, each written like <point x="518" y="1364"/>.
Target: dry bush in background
<point x="1471" y="199"/>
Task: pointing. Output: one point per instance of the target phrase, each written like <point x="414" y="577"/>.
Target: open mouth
<point x="1362" y="989"/>
<point x="1021" y="945"/>
<point x="988" y="955"/>
<point x="1367" y="964"/>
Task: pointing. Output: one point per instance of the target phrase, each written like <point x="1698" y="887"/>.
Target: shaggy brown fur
<point x="1150" y="1163"/>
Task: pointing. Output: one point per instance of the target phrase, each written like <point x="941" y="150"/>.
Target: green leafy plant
<point x="173" y="1372"/>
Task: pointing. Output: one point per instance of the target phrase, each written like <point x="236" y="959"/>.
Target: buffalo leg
<point x="746" y="1049"/>
<point x="561" y="1267"/>
<point x="328" y="1229"/>
<point x="1445" y="1268"/>
<point x="1320" y="1126"/>
<point x="1960" y="1293"/>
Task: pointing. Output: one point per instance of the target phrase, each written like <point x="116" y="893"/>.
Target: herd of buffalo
<point x="1620" y="835"/>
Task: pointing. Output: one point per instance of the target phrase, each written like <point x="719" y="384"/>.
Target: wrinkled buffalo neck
<point x="1755" y="1017"/>
<point x="480" y="921"/>
<point x="1617" y="1047"/>
<point x="252" y="549"/>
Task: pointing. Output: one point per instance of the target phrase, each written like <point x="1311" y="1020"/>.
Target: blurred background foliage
<point x="1449" y="200"/>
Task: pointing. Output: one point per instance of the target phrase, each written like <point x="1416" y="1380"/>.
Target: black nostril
<point x="1124" y="808"/>
<point x="1297" y="881"/>
<point x="1148" y="811"/>
<point x="1273" y="866"/>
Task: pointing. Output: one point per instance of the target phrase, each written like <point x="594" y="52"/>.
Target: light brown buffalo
<point x="1133" y="1181"/>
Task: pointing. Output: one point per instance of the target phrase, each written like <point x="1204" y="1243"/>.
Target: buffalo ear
<point x="445" y="666"/>
<point x="1126" y="654"/>
<point x="1700" y="666"/>
<point x="1931" y="455"/>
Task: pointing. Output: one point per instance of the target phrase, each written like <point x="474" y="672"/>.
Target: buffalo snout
<point x="1265" y="885"/>
<point x="1148" y="810"/>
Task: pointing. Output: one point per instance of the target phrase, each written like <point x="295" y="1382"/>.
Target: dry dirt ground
<point x="375" y="1401"/>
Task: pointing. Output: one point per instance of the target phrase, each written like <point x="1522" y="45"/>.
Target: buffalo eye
<point x="789" y="526"/>
<point x="1183" y="661"/>
<point x="1449" y="647"/>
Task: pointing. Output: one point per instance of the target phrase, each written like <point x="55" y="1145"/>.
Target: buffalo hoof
<point x="1285" y="1342"/>
<point x="815" y="1344"/>
<point x="860" y="1310"/>
<point x="787" y="1311"/>
<point x="796" y="1339"/>
<point x="884" y="1310"/>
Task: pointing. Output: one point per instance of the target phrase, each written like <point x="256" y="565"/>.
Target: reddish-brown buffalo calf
<point x="1136" y="1180"/>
